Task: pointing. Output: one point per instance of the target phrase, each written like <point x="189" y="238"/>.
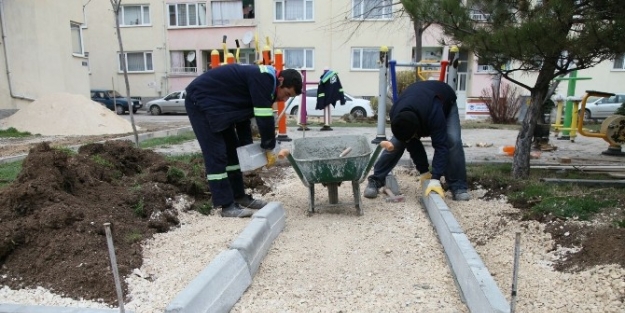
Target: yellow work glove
<point x="423" y="178"/>
<point x="271" y="158"/>
<point x="434" y="185"/>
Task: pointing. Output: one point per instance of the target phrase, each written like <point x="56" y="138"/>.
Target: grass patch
<point x="545" y="201"/>
<point x="66" y="150"/>
<point x="139" y="208"/>
<point x="11" y="132"/>
<point x="175" y="174"/>
<point x="9" y="172"/>
<point x="471" y="124"/>
<point x="166" y="141"/>
<point x="133" y="236"/>
<point x="204" y="208"/>
<point x="98" y="159"/>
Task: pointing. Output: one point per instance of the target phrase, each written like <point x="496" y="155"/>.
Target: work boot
<point x="371" y="191"/>
<point x="234" y="210"/>
<point x="461" y="195"/>
<point x="250" y="203"/>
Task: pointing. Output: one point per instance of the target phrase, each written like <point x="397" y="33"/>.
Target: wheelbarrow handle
<point x="372" y="160"/>
<point x="387" y="145"/>
<point x="284" y="153"/>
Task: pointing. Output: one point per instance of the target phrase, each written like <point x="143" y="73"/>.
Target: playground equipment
<point x="569" y="112"/>
<point x="331" y="161"/>
<point x="446" y="73"/>
<point x="612" y="128"/>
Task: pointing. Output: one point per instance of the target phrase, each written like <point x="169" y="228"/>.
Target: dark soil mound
<point x="52" y="216"/>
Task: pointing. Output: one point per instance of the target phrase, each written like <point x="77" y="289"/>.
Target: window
<point x="137" y="62"/>
<point x="247" y="56"/>
<point x="183" y="62"/>
<point x="372" y="9"/>
<point x="484" y="68"/>
<point x="134" y="15"/>
<point x="77" y="46"/>
<point x="187" y="14"/>
<point x="619" y="62"/>
<point x="299" y="58"/>
<point x="477" y="15"/>
<point x="225" y="11"/>
<point x="293" y="10"/>
<point x="367" y="58"/>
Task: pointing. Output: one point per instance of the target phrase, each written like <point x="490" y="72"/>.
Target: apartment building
<point x="42" y="50"/>
<point x="167" y="43"/>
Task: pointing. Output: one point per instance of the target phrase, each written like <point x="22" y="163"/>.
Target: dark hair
<point x="292" y="78"/>
<point x="404" y="125"/>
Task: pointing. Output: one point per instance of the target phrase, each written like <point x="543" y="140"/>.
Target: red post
<point x="282" y="136"/>
<point x="444" y="64"/>
<point x="214" y="59"/>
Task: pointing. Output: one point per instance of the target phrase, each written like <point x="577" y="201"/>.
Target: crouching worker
<point x="218" y="102"/>
<point x="426" y="108"/>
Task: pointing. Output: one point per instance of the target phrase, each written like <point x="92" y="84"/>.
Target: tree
<point x="116" y="9"/>
<point x="420" y="23"/>
<point x="550" y="37"/>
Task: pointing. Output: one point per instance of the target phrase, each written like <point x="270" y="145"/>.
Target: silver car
<point x="603" y="107"/>
<point x="171" y="103"/>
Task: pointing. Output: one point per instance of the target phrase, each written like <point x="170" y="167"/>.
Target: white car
<point x="171" y="103"/>
<point x="353" y="106"/>
<point x="603" y="107"/>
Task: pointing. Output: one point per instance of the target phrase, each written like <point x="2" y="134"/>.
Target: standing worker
<point x="426" y="108"/>
<point x="222" y="98"/>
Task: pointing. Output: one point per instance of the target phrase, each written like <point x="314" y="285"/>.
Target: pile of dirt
<point x="52" y="216"/>
<point x="68" y="115"/>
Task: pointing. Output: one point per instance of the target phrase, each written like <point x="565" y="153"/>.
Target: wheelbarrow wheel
<point x="333" y="193"/>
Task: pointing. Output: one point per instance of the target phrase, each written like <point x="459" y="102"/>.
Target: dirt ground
<point x="52" y="216"/>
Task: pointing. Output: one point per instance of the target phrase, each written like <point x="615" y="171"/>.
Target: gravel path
<point x="388" y="260"/>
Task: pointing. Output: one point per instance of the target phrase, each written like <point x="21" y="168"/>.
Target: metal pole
<point x="452" y="69"/>
<point x="391" y="66"/>
<point x="381" y="135"/>
<point x="515" y="271"/>
<point x="118" y="286"/>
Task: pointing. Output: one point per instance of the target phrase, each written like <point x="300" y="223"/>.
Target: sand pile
<point x="66" y="115"/>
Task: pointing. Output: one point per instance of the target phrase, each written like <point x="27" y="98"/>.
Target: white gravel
<point x="388" y="260"/>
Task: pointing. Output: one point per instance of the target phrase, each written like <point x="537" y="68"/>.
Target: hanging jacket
<point x="329" y="90"/>
<point x="234" y="93"/>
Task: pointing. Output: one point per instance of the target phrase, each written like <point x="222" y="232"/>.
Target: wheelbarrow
<point x="330" y="161"/>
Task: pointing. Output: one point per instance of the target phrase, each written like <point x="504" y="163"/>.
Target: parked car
<point x="114" y="101"/>
<point x="354" y="106"/>
<point x="603" y="107"/>
<point x="171" y="103"/>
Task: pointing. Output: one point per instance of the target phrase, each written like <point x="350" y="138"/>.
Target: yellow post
<point x="557" y="126"/>
<point x="572" y="131"/>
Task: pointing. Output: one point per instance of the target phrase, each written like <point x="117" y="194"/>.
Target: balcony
<point x="184" y="70"/>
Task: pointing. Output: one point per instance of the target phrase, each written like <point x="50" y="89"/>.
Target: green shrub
<point x="621" y="109"/>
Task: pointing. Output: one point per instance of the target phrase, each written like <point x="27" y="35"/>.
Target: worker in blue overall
<point x="219" y="101"/>
<point x="426" y="109"/>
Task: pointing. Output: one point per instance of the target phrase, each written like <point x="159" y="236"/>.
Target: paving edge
<point x="476" y="286"/>
<point x="220" y="285"/>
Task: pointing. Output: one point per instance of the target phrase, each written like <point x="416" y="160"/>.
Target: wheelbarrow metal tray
<point x="319" y="161"/>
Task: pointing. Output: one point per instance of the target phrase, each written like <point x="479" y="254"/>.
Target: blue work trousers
<point x="455" y="170"/>
<point x="219" y="150"/>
